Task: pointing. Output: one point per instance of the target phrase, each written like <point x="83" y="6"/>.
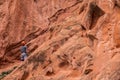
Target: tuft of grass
<point x="5" y="73"/>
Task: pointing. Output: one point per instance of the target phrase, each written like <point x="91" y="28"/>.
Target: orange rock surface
<point x="66" y="39"/>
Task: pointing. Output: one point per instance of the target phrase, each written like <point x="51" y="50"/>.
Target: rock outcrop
<point x="66" y="39"/>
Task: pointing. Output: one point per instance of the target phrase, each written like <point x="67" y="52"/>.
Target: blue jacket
<point x="23" y="49"/>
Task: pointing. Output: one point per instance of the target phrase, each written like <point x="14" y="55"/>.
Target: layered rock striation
<point x="66" y="39"/>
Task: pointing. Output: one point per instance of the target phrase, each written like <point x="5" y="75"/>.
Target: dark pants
<point x="23" y="56"/>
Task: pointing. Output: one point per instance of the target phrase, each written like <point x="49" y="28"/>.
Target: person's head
<point x="23" y="43"/>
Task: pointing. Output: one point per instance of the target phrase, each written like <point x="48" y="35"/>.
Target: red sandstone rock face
<point x="67" y="39"/>
<point x="25" y="20"/>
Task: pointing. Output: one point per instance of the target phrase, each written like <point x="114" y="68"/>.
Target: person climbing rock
<point x="23" y="50"/>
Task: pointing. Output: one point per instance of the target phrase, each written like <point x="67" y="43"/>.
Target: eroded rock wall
<point x="67" y="39"/>
<point x="25" y="20"/>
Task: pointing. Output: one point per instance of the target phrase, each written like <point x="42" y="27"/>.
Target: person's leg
<point x="25" y="56"/>
<point x="22" y="57"/>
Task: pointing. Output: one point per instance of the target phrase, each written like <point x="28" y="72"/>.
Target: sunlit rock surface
<point x="66" y="39"/>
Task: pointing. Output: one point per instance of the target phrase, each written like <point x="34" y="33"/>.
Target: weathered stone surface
<point x="66" y="39"/>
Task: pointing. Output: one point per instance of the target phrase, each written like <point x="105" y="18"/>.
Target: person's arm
<point x="27" y="50"/>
